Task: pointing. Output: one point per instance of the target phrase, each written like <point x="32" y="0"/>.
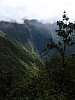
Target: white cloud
<point x="40" y="9"/>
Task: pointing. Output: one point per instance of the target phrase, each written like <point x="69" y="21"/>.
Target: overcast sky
<point x="48" y="10"/>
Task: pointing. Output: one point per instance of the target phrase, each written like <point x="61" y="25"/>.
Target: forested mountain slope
<point x="22" y="74"/>
<point x="17" y="68"/>
<point x="32" y="34"/>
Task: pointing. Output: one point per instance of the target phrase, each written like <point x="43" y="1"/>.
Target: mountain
<point x="23" y="75"/>
<point x="18" y="67"/>
<point x="32" y="34"/>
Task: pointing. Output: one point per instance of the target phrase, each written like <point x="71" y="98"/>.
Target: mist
<point x="46" y="11"/>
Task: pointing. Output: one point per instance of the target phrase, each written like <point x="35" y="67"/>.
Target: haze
<point x="42" y="10"/>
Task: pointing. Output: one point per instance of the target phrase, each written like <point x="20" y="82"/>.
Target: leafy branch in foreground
<point x="66" y="36"/>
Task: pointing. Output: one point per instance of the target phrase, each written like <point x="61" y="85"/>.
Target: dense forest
<point x="26" y="76"/>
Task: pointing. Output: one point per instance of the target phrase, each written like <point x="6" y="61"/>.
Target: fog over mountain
<point x="32" y="34"/>
<point x="43" y="10"/>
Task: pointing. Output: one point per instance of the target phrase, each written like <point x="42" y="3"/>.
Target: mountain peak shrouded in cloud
<point x="42" y="10"/>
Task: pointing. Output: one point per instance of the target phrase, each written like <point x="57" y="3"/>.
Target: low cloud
<point x="48" y="10"/>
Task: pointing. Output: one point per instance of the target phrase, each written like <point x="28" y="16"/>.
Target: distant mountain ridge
<point x="32" y="34"/>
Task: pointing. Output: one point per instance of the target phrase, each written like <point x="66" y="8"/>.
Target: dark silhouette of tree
<point x="65" y="32"/>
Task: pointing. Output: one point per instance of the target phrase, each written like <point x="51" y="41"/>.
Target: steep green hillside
<point x="32" y="35"/>
<point x="18" y="69"/>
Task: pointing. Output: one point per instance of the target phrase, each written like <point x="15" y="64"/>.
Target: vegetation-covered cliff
<point x="32" y="34"/>
<point x="18" y="69"/>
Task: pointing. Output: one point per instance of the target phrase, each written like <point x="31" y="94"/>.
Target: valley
<point x="24" y="73"/>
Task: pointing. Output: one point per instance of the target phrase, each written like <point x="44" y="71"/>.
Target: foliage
<point x="18" y="71"/>
<point x="51" y="79"/>
<point x="66" y="36"/>
<point x="58" y="68"/>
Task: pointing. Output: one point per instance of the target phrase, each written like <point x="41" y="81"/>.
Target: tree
<point x="65" y="32"/>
